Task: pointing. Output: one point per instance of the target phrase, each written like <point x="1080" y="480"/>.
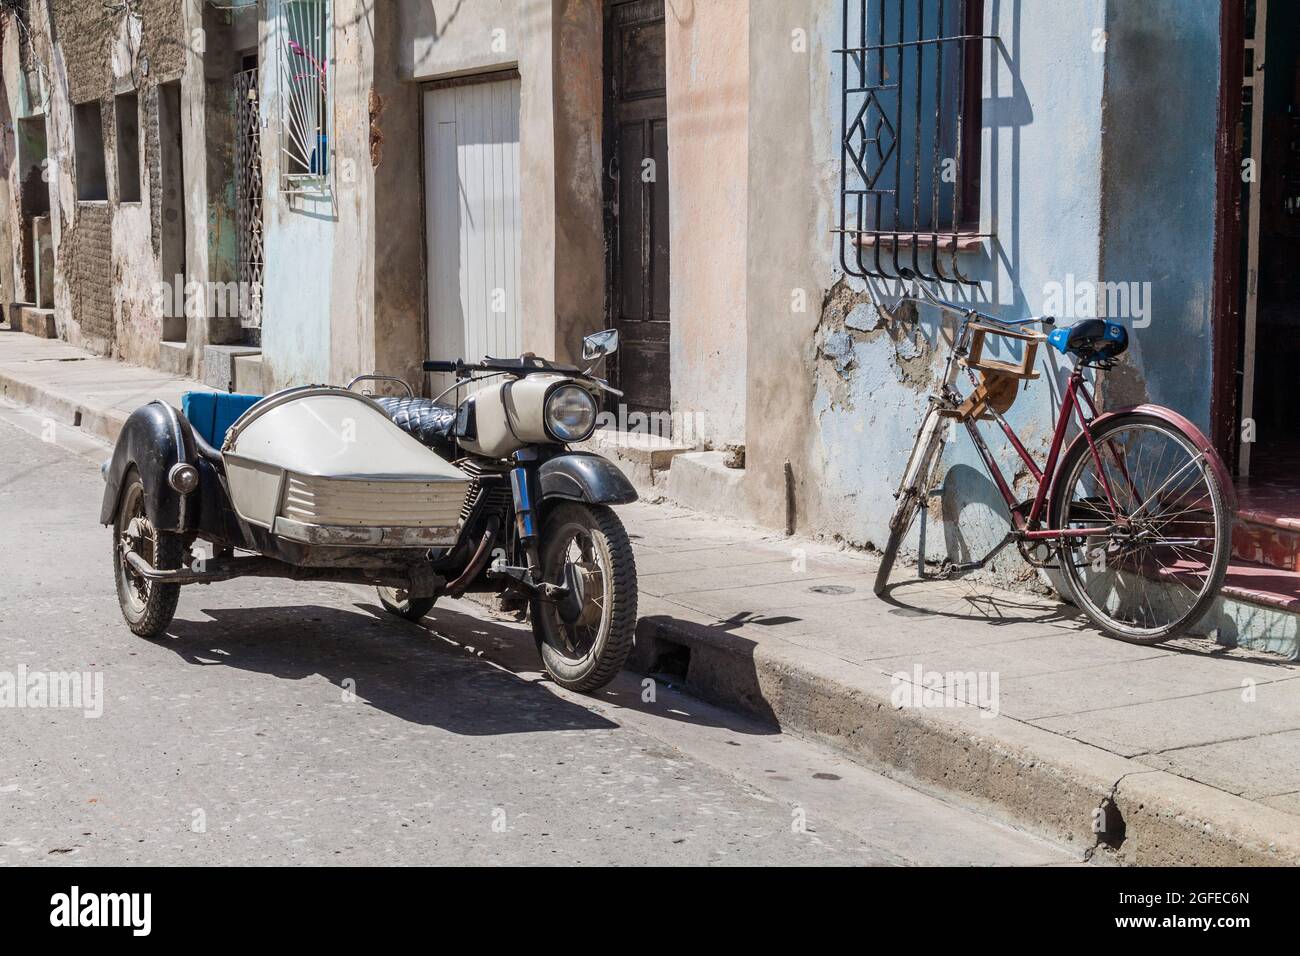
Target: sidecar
<point x="311" y="483"/>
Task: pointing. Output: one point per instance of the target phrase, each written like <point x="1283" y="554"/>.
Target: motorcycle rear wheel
<point x="587" y="653"/>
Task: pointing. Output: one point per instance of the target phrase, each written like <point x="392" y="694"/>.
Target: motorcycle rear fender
<point x="154" y="438"/>
<point x="582" y="476"/>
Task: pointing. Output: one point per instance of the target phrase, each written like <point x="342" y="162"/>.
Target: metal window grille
<point x="248" y="192"/>
<point x="911" y="74"/>
<point x="306" y="96"/>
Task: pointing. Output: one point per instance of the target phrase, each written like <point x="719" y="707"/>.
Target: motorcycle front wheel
<point x="400" y="604"/>
<point x="585" y="637"/>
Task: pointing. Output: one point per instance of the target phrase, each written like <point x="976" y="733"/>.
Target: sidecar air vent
<point x="326" y="501"/>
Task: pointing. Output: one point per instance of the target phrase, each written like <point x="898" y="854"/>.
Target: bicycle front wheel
<point x="1162" y="531"/>
<point x="912" y="492"/>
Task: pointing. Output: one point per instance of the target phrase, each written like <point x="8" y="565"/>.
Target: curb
<point x="94" y="420"/>
<point x="1046" y="783"/>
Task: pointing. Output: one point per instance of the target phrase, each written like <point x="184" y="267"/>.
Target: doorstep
<point x="644" y="458"/>
<point x="26" y="317"/>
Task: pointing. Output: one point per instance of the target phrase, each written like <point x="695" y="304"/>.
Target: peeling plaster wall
<point x="106" y="260"/>
<point x="840" y="393"/>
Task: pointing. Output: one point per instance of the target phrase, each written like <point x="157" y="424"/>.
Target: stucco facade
<point x="772" y="347"/>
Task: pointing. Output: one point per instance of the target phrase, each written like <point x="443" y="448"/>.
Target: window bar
<point x="898" y="125"/>
<point x="919" y="53"/>
<point x="936" y="171"/>
<point x="880" y="82"/>
<point x="958" y="182"/>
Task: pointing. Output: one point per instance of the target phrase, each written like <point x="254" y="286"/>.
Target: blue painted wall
<point x="1158" y="190"/>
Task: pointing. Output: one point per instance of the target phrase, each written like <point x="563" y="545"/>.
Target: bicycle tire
<point x="1222" y="524"/>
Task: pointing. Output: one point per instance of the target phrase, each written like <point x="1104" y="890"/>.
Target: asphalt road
<point x="282" y="723"/>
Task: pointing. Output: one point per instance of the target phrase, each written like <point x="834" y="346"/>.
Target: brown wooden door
<point x="636" y="184"/>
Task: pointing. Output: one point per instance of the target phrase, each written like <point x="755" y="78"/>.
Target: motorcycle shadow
<point x="510" y="644"/>
<point x="389" y="665"/>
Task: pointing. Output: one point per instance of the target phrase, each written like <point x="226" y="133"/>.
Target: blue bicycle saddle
<point x="1092" y="340"/>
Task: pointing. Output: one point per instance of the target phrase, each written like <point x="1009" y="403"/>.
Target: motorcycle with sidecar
<point x="418" y="497"/>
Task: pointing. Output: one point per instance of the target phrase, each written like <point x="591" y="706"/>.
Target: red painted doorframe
<point x="1225" y="320"/>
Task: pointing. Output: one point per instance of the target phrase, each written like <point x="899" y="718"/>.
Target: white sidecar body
<point x="326" y="466"/>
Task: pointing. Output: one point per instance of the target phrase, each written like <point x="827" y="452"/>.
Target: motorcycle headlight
<point x="570" y="413"/>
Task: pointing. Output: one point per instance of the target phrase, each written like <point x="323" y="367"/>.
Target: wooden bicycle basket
<point x="999" y="382"/>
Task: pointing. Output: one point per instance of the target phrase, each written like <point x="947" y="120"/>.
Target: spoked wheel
<point x="1165" y="531"/>
<point x="147" y="606"/>
<point x="585" y="637"/>
<point x="398" y="602"/>
<point x="913" y="492"/>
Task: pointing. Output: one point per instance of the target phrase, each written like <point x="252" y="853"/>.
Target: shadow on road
<point x="453" y="670"/>
<point x="393" y="666"/>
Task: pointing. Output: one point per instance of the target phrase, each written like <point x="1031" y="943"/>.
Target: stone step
<point x="700" y="481"/>
<point x="645" y="458"/>
<point x="26" y="317"/>
<point x="1268" y="537"/>
<point x="1258" y="608"/>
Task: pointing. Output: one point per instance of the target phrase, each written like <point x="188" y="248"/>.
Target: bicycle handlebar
<point x="970" y="313"/>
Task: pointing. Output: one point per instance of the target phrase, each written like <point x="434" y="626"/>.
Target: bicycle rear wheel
<point x="1164" y="532"/>
<point x="912" y="492"/>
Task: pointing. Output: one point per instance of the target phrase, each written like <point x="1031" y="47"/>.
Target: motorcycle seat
<point x="428" y="422"/>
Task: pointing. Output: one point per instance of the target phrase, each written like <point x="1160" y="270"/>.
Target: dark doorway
<point x="1266" y="291"/>
<point x="636" y="200"/>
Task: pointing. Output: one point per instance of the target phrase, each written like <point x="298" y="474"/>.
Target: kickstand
<point x="920" y="548"/>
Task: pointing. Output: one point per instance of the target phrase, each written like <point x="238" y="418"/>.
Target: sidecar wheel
<point x="147" y="606"/>
<point x="396" y="602"/>
<point x="586" y="653"/>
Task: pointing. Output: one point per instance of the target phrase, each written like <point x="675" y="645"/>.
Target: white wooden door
<point x="471" y="149"/>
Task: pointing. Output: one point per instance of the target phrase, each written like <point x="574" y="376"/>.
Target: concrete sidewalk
<point x="75" y="387"/>
<point x="1187" y="753"/>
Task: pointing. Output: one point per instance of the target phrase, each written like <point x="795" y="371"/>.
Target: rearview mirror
<point x="600" y="343"/>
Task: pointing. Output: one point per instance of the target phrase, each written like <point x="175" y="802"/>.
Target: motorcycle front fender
<point x="583" y="476"/>
<point x="154" y="438"/>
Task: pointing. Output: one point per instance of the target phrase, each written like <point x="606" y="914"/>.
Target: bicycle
<point x="1136" y="512"/>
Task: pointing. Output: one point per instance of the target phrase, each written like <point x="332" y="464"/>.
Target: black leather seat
<point x="429" y="422"/>
<point x="1091" y="340"/>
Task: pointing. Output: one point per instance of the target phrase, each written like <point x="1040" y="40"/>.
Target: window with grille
<point x="911" y="75"/>
<point x="306" y="96"/>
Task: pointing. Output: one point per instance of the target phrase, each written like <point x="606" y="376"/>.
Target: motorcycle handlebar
<point x="439" y="365"/>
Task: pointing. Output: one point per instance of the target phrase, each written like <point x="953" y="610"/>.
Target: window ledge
<point x="962" y="241"/>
